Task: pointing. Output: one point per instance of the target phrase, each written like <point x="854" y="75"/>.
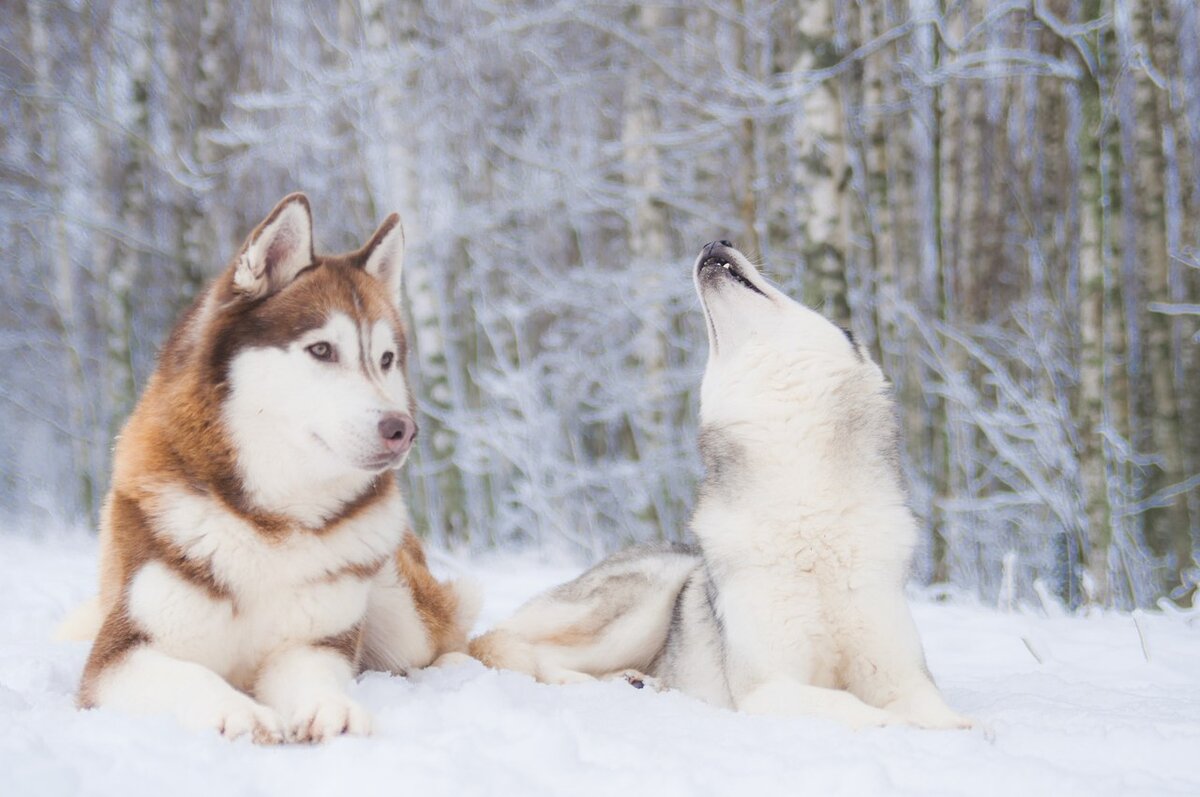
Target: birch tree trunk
<point x="1083" y="104"/>
<point x="1166" y="527"/>
<point x="123" y="272"/>
<point x="647" y="240"/>
<point x="822" y="208"/>
<point x="63" y="277"/>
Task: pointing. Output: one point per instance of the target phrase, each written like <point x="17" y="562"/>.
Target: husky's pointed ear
<point x="385" y="255"/>
<point x="278" y="249"/>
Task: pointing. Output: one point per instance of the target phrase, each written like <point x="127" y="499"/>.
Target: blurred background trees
<point x="1001" y="198"/>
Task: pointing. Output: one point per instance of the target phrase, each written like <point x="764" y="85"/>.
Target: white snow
<point x="1094" y="717"/>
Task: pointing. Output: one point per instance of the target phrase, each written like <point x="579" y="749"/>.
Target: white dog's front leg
<point x="307" y="686"/>
<point x="887" y="667"/>
<point x="790" y="698"/>
<point x="771" y="670"/>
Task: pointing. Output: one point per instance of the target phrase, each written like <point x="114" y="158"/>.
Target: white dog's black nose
<point x="398" y="431"/>
<point x="713" y="247"/>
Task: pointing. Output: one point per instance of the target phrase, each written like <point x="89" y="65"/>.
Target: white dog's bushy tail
<point x="504" y="650"/>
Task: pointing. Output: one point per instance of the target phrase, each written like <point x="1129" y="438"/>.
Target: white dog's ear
<point x="278" y="249"/>
<point x="385" y="255"/>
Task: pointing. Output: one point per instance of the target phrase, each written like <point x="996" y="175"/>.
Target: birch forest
<point x="1002" y="199"/>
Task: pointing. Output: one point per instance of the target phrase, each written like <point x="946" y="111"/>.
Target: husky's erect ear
<point x="385" y="255"/>
<point x="278" y="249"/>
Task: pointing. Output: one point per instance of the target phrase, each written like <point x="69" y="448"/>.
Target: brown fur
<point x="360" y="570"/>
<point x="437" y="603"/>
<point x="498" y="649"/>
<point x="503" y="650"/>
<point x="175" y="437"/>
<point x="485" y="648"/>
<point x="569" y="637"/>
<point x="134" y="533"/>
<point x="117" y="637"/>
<point x="349" y="644"/>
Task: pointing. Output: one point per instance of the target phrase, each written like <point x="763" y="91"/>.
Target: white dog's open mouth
<point x="719" y="261"/>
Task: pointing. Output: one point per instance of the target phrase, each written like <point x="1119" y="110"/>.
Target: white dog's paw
<point x="638" y="680"/>
<point x="941" y="722"/>
<point x="934" y="717"/>
<point x="328" y="717"/>
<point x="951" y="722"/>
<point x="871" y="717"/>
<point x="243" y="717"/>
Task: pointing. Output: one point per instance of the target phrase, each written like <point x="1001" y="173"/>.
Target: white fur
<point x="83" y="623"/>
<point x="396" y="640"/>
<point x="306" y="686"/>
<point x="386" y="261"/>
<point x="558" y="638"/>
<point x="793" y="603"/>
<point x="245" y="560"/>
<point x="812" y="544"/>
<point x="279" y="252"/>
<point x="282" y="598"/>
<point x="147" y="681"/>
<point x="238" y="635"/>
<point x="306" y="431"/>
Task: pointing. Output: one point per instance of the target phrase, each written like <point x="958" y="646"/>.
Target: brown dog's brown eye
<point x="322" y="351"/>
<point x="385" y="362"/>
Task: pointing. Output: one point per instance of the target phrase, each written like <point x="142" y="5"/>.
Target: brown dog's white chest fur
<point x="269" y="593"/>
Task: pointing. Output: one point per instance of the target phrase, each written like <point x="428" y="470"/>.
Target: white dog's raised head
<point x="309" y="352"/>
<point x="743" y="308"/>
<point x="777" y="369"/>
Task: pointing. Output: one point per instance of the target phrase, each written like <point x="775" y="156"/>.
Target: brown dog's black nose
<point x="397" y="430"/>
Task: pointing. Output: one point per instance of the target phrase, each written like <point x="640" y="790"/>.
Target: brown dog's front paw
<point x="328" y="717"/>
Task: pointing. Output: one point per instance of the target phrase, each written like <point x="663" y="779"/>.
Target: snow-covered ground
<point x="1106" y="710"/>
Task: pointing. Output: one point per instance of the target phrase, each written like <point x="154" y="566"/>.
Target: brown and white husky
<point x="255" y="548"/>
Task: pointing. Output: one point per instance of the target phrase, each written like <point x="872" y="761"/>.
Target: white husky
<point x="792" y="602"/>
